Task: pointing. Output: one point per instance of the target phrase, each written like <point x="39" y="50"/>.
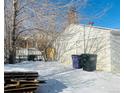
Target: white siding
<point x="71" y="42"/>
<point x="115" y="51"/>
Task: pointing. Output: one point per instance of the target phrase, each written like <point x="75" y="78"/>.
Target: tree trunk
<point x="12" y="56"/>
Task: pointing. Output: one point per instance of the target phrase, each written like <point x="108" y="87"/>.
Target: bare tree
<point x="51" y="22"/>
<point x="15" y="17"/>
<point x="46" y="17"/>
<point x="72" y="40"/>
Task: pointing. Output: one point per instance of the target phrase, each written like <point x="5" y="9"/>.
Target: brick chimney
<point x="72" y="16"/>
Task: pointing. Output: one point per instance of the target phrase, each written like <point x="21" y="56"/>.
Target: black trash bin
<point x="76" y="61"/>
<point x="89" y="61"/>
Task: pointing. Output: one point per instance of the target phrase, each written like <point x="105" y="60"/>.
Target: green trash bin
<point x="89" y="61"/>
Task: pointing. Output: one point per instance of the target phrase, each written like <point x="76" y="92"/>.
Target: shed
<point x="104" y="42"/>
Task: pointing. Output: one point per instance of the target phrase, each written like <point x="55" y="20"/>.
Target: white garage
<point x="79" y="39"/>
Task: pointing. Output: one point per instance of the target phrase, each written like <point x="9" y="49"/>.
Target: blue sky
<point x="110" y="19"/>
<point x="109" y="9"/>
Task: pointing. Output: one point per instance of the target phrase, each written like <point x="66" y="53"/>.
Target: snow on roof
<point x="28" y="51"/>
<point x="97" y="27"/>
<point x="104" y="28"/>
<point x="74" y="28"/>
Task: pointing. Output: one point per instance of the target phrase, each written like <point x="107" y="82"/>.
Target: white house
<point x="77" y="39"/>
<point x="24" y="53"/>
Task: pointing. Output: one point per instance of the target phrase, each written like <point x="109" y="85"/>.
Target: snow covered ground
<point x="64" y="79"/>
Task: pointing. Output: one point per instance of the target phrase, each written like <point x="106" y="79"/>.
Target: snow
<point x="64" y="79"/>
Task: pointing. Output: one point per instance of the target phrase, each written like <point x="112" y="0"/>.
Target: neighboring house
<point x="101" y="41"/>
<point x="28" y="54"/>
